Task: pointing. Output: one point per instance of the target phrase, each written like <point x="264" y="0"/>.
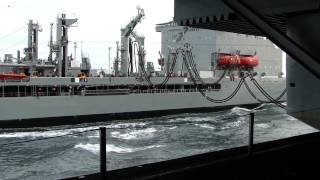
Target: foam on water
<point x="238" y="111"/>
<point x="234" y="124"/>
<point x="180" y="119"/>
<point x="61" y="132"/>
<point x="127" y="125"/>
<point x="262" y="125"/>
<point x="170" y="128"/>
<point x="192" y="119"/>
<point x="95" y="148"/>
<point x="45" y="134"/>
<point x="135" y="134"/>
<point x="206" y="126"/>
<point x="94" y="135"/>
<point x="260" y="107"/>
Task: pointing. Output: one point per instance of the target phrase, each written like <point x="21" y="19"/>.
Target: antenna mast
<point x="109" y="59"/>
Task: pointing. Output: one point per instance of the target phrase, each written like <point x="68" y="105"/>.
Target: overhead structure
<point x="125" y="33"/>
<point x="109" y="60"/>
<point x="290" y="24"/>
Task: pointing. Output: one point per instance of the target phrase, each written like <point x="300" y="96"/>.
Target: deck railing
<point x="34" y="93"/>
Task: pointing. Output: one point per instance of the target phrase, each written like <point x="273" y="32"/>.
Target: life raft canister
<point x="11" y="75"/>
<point x="228" y="59"/>
<point x="249" y="60"/>
<point x="238" y="60"/>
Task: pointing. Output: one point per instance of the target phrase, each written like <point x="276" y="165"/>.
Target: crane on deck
<point x="126" y="32"/>
<point x="141" y="51"/>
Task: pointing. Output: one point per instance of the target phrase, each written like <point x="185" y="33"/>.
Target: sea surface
<point x="136" y="142"/>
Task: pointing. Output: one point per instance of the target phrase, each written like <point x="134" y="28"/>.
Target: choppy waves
<point x="140" y="141"/>
<point x="95" y="148"/>
<point x="61" y="132"/>
<point x="135" y="134"/>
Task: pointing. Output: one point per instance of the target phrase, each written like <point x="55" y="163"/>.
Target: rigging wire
<point x="12" y="32"/>
<point x="12" y="45"/>
<point x="169" y="75"/>
<point x="262" y="101"/>
<point x="191" y="65"/>
<point x="142" y="66"/>
<point x="252" y="94"/>
<point x="188" y="66"/>
<point x="270" y="98"/>
<point x="145" y="74"/>
<point x="195" y="70"/>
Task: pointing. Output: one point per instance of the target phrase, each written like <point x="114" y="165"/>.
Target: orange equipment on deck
<point x="228" y="59"/>
<point x="11" y="75"/>
<point x="225" y="59"/>
<point x="249" y="60"/>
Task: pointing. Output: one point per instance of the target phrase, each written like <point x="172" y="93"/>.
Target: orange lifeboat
<point x="249" y="60"/>
<point x="237" y="60"/>
<point x="10" y="75"/>
<point x="228" y="59"/>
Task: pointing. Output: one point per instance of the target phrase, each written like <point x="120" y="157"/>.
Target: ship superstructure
<point x="191" y="78"/>
<point x="208" y="44"/>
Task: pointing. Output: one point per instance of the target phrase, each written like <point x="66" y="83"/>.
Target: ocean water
<point x="136" y="142"/>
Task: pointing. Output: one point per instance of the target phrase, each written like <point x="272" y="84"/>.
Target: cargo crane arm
<point x="125" y="34"/>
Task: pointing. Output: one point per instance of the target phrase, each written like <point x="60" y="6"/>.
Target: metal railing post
<point x="103" y="153"/>
<point x="251" y="134"/>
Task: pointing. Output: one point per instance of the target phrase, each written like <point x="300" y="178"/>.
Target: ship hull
<point x="24" y="112"/>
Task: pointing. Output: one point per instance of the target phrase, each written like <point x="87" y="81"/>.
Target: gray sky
<point x="98" y="27"/>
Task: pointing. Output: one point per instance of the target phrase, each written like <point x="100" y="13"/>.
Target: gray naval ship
<point x="201" y="70"/>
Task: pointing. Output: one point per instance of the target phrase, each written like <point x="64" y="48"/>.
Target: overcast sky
<point x="98" y="27"/>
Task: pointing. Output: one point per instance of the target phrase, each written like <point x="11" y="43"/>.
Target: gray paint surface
<point x="57" y="106"/>
<point x="205" y="42"/>
<point x="303" y="87"/>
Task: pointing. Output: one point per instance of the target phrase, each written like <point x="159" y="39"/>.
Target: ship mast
<point x="63" y="24"/>
<point x="31" y="51"/>
<point x="51" y="44"/>
<point x="75" y="50"/>
<point x="109" y="60"/>
<point x="116" y="61"/>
